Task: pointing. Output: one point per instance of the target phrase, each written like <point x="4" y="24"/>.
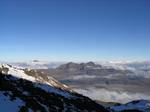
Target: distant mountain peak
<point x="71" y="66"/>
<point x="90" y="63"/>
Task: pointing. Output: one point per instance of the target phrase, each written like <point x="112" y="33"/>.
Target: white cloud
<point x="77" y="77"/>
<point x="111" y="96"/>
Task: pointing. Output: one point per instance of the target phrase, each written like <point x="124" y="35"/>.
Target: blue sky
<point x="74" y="30"/>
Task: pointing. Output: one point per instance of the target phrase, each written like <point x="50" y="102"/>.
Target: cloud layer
<point x="111" y="96"/>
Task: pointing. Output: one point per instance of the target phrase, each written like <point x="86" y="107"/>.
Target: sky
<point x="74" y="30"/>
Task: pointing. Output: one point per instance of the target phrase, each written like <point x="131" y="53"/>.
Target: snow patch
<point x="6" y="105"/>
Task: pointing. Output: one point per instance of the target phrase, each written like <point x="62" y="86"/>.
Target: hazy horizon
<point x="74" y="61"/>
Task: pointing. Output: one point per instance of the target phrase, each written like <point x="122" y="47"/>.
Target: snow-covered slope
<point x="6" y="105"/>
<point x="31" y="91"/>
<point x="32" y="75"/>
<point x="16" y="72"/>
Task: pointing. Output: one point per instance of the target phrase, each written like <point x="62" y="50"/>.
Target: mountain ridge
<point x="35" y="95"/>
